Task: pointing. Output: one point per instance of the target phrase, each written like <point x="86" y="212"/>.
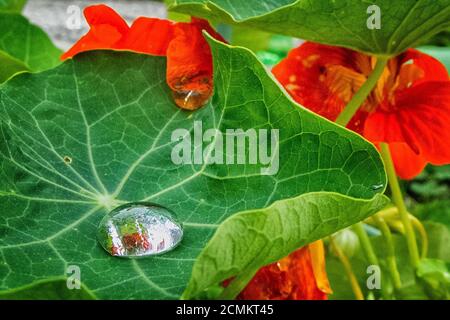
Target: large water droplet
<point x="138" y="230"/>
<point x="192" y="93"/>
<point x="190" y="100"/>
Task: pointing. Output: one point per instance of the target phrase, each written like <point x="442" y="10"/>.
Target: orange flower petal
<point x="421" y="119"/>
<point x="91" y="41"/>
<point x="189" y="59"/>
<point x="107" y="30"/>
<point x="302" y="74"/>
<point x="150" y="35"/>
<point x="323" y="78"/>
<point x="407" y="163"/>
<point x="291" y="278"/>
<point x="189" y="54"/>
<point x="424" y="115"/>
<point x="383" y="126"/>
<point x="317" y="252"/>
<point x="417" y="122"/>
<point x="410" y="105"/>
<point x="189" y="64"/>
<point x="433" y="69"/>
<point x="101" y="14"/>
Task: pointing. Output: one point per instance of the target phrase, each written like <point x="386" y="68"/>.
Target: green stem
<point x="423" y="235"/>
<point x="237" y="285"/>
<point x="399" y="202"/>
<point x="348" y="270"/>
<point x="362" y="94"/>
<point x="365" y="243"/>
<point x="392" y="263"/>
<point x="368" y="249"/>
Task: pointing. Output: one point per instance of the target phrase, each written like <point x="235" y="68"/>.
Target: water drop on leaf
<point x="190" y="100"/>
<point x="192" y="93"/>
<point x="139" y="230"/>
<point x="377" y="187"/>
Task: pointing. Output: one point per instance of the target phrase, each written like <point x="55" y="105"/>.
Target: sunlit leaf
<point x="24" y="47"/>
<point x="12" y="5"/>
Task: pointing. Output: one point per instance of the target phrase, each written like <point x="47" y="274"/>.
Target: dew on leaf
<point x="139" y="230"/>
<point x="377" y="187"/>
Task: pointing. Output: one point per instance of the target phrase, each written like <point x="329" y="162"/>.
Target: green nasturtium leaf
<point x="439" y="237"/>
<point x="404" y="23"/>
<point x="24" y="47"/>
<point x="435" y="277"/>
<point x="112" y="115"/>
<point x="12" y="5"/>
<point x="251" y="239"/>
<point x="9" y="66"/>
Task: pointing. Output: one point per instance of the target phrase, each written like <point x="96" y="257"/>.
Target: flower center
<point x="344" y="82"/>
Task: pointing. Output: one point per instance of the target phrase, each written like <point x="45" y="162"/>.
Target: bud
<point x="347" y="241"/>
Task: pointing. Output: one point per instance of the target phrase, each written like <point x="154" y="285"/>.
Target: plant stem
<point x="398" y="201"/>
<point x="362" y="94"/>
<point x="390" y="217"/>
<point x="348" y="270"/>
<point x="423" y="235"/>
<point x="237" y="285"/>
<point x="367" y="247"/>
<point x="343" y="119"/>
<point x="392" y="263"/>
<point x="365" y="243"/>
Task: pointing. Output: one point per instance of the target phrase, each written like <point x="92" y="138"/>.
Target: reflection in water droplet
<point x="138" y="230"/>
<point x="191" y="93"/>
<point x="377" y="187"/>
<point x="191" y="100"/>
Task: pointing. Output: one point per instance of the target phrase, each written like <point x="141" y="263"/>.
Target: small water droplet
<point x="139" y="230"/>
<point x="377" y="187"/>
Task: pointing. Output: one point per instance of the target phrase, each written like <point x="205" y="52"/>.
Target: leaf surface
<point x="12" y="5"/>
<point x="9" y="66"/>
<point x="24" y="47"/>
<point x="251" y="239"/>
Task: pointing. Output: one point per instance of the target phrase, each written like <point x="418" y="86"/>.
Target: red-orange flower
<point x="299" y="276"/>
<point x="189" y="60"/>
<point x="409" y="109"/>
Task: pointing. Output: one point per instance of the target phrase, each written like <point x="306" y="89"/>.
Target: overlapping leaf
<point x="112" y="114"/>
<point x="12" y="5"/>
<point x="24" y="47"/>
<point x="404" y="23"/>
